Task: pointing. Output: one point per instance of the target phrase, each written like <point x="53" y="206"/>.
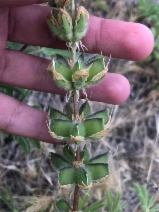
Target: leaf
<point x="69" y="153"/>
<point x="83" y="177"/>
<point x="82" y="202"/>
<point x="61" y="127"/>
<point x="25" y="144"/>
<point x="95" y="207"/>
<point x="102" y="158"/>
<point x="69" y="110"/>
<point x="85" y="109"/>
<point x="85" y="155"/>
<point x="98" y="171"/>
<point x="56" y="114"/>
<point x="104" y="114"/>
<point x="93" y="126"/>
<point x="10" y="194"/>
<point x="36" y="143"/>
<point x="66" y="176"/>
<point x="63" y="205"/>
<point x="58" y="161"/>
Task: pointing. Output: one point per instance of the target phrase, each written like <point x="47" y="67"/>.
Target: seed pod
<point x="61" y="74"/>
<point x="81" y="23"/>
<point x="60" y="23"/>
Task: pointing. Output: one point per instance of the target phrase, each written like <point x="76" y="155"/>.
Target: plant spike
<point x="75" y="124"/>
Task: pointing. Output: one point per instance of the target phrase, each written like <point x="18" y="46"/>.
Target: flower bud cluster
<point x="67" y="28"/>
<point x="78" y="129"/>
<point x="82" y="173"/>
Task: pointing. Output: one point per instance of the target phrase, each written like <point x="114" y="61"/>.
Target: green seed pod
<point x="81" y="23"/>
<point x="99" y="172"/>
<point x="60" y="23"/>
<point x="60" y="74"/>
<point x="58" y="161"/>
<point x="83" y="177"/>
<point x="66" y="177"/>
<point x="63" y="206"/>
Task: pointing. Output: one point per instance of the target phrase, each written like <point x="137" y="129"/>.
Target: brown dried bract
<point x="81" y="10"/>
<point x="79" y="74"/>
<point x="99" y="75"/>
<point x="62" y="3"/>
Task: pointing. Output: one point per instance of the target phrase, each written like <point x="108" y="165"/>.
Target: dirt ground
<point x="132" y="138"/>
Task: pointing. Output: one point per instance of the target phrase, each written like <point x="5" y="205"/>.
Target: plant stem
<point x="77" y="189"/>
<point x="76" y="114"/>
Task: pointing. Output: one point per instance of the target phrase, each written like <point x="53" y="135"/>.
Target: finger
<point x="20" y="119"/>
<point x="29" y="72"/>
<point x="18" y="3"/>
<point x="119" y="39"/>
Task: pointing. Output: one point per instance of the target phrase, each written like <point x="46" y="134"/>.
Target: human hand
<point x="27" y="24"/>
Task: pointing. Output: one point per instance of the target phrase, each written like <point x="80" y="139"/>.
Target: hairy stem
<point x="76" y="114"/>
<point x="77" y="189"/>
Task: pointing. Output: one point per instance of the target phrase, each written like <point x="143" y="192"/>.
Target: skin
<point x="23" y="22"/>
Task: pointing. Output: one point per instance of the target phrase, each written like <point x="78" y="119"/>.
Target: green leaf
<point x="25" y="144"/>
<point x="56" y="114"/>
<point x="85" y="109"/>
<point x="95" y="207"/>
<point x="98" y="171"/>
<point x="96" y="68"/>
<point x="69" y="153"/>
<point x="93" y="126"/>
<point x="102" y="158"/>
<point x="61" y="127"/>
<point x="66" y="176"/>
<point x="83" y="177"/>
<point x="85" y="154"/>
<point x="10" y="194"/>
<point x="36" y="143"/>
<point x="77" y="130"/>
<point x="58" y="161"/>
<point x="82" y="202"/>
<point x="63" y="205"/>
<point x="69" y="110"/>
<point x="104" y="114"/>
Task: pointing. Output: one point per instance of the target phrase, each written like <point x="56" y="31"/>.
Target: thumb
<point x="19" y="3"/>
